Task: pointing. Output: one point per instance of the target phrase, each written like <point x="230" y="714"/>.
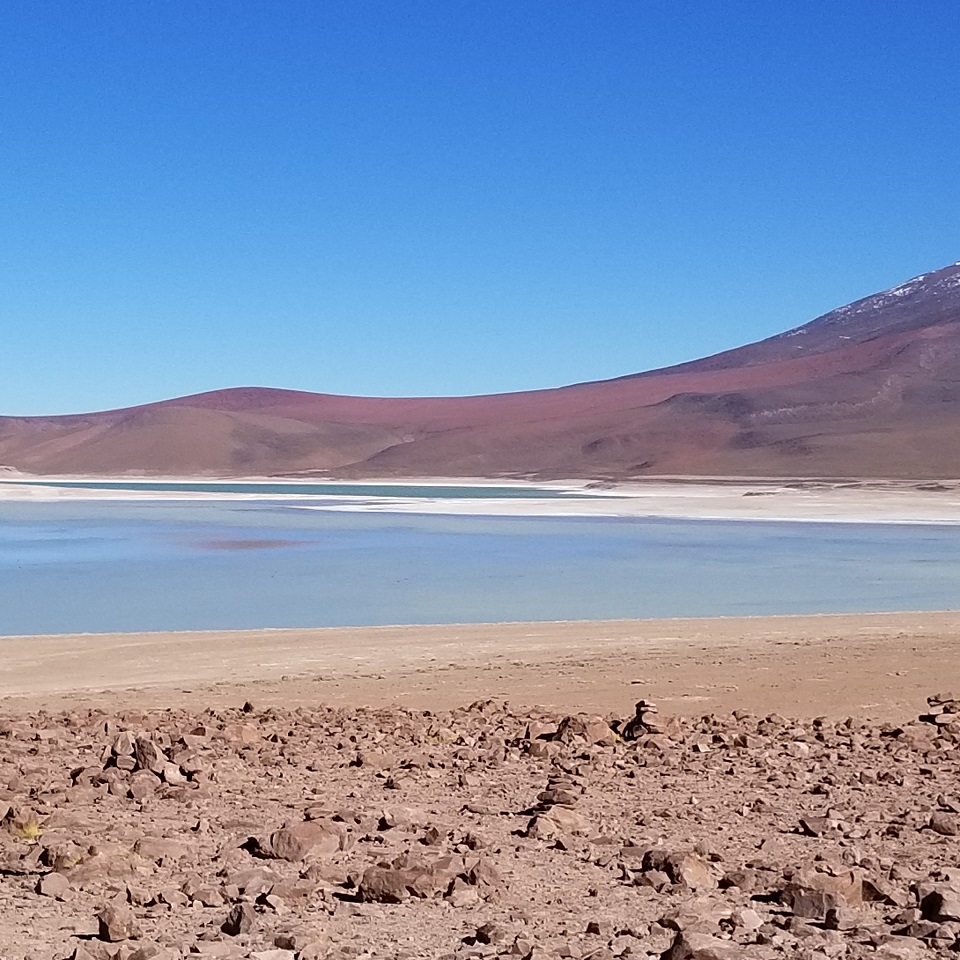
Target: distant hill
<point x="871" y="389"/>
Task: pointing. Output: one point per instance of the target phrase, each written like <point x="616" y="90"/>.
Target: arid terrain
<point x="867" y="390"/>
<point x="485" y="791"/>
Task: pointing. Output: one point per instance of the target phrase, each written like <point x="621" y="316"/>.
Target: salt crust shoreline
<point x="782" y="500"/>
<point x="878" y="665"/>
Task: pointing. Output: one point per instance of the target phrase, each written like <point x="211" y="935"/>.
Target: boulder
<point x="557" y="821"/>
<point x="944" y="823"/>
<point x="296" y="841"/>
<point x="241" y="919"/>
<point x="595" y="730"/>
<point x="411" y="875"/>
<point x="149" y="756"/>
<point x="683" y="867"/>
<point x="53" y="885"/>
<point x="117" y="922"/>
<point x="701" y="946"/>
<point x="161" y="848"/>
<point x="811" y="895"/>
<point x="940" y="902"/>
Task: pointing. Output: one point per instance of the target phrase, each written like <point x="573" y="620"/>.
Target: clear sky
<point x="396" y="197"/>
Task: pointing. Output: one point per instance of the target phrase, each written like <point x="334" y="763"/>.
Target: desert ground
<point x="784" y="790"/>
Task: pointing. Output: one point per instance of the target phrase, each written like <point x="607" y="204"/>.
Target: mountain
<point x="871" y="389"/>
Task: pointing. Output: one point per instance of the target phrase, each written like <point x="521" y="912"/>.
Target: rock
<point x="811" y="895"/>
<point x="82" y="952"/>
<point x="160" y="848"/>
<point x="816" y="826"/>
<point x="808" y="903"/>
<point x="173" y="897"/>
<point x="315" y="950"/>
<point x="562" y="794"/>
<point x="699" y="946"/>
<point x="411" y="876"/>
<point x="53" y="885"/>
<point x="461" y="894"/>
<point x="940" y="902"/>
<point x="481" y="874"/>
<point x="643" y="722"/>
<point x="100" y="867"/>
<point x="149" y="756"/>
<point x="242" y="733"/>
<point x="689" y="870"/>
<point x="384" y="884"/>
<point x="205" y="894"/>
<point x="123" y="744"/>
<point x="902" y="948"/>
<point x="557" y="821"/>
<point x="143" y="784"/>
<point x="117" y="922"/>
<point x="297" y="841"/>
<point x="151" y="951"/>
<point x="682" y="867"/>
<point x="944" y="824"/>
<point x="241" y="919"/>
<point x="172" y="774"/>
<point x="746" y="919"/>
<point x="595" y="730"/>
<point x="538" y="728"/>
<point x="740" y="785"/>
<point x="699" y="915"/>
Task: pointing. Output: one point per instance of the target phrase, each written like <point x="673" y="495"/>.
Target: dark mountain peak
<point x="922" y="301"/>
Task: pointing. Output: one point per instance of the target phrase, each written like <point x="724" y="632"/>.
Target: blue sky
<point x="429" y="198"/>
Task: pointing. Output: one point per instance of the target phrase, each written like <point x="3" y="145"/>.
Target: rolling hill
<point x="871" y="389"/>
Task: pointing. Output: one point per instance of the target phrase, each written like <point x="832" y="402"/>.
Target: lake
<point x="120" y="565"/>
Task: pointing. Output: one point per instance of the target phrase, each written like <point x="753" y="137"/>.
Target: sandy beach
<point x="877" y="665"/>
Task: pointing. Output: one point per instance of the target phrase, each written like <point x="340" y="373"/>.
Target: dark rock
<point x="241" y="919"/>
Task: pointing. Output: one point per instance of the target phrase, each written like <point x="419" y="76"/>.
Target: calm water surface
<point x="119" y="565"/>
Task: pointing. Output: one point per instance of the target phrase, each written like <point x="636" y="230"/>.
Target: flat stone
<point x="53" y="885"/>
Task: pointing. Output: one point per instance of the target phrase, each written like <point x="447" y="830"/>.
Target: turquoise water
<point x="433" y="491"/>
<point x="95" y="566"/>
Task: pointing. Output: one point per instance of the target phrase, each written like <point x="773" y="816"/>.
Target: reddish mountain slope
<point x="870" y="389"/>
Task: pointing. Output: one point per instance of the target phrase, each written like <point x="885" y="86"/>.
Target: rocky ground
<point x="485" y="831"/>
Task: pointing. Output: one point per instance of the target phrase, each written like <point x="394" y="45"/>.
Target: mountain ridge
<point x="871" y="388"/>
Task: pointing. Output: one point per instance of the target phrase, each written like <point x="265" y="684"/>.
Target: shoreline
<point x="680" y="498"/>
<point x="824" y="664"/>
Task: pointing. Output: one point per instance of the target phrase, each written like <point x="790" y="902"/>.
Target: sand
<point x="878" y="665"/>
